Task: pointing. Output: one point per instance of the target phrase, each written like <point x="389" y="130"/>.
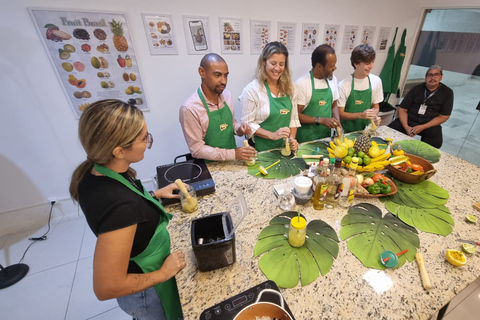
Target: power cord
<point x="44" y="236"/>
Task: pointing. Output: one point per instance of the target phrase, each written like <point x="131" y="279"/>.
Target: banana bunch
<point x="378" y="163"/>
<point x="347" y="144"/>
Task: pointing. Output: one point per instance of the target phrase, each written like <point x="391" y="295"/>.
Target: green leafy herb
<point x="370" y="234"/>
<point x="421" y="149"/>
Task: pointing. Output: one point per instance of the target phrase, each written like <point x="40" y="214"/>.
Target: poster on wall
<point x="92" y="54"/>
<point x="349" y="38"/>
<point x="259" y="35"/>
<point x="383" y="36"/>
<point x="231" y="39"/>
<point x="309" y="37"/>
<point x="368" y="34"/>
<point x="331" y="34"/>
<point x="197" y="34"/>
<point x="160" y="33"/>
<point x="286" y="35"/>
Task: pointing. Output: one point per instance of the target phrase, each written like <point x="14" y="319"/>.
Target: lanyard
<point x="425" y="98"/>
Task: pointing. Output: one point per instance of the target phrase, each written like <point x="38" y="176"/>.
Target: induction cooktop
<point x="228" y="309"/>
<point x="193" y="172"/>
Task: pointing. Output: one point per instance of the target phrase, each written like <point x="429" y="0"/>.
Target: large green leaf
<point x="421" y="206"/>
<point x="370" y="234"/>
<point x="309" y="149"/>
<point x="421" y="149"/>
<point x="288" y="166"/>
<point x="285" y="264"/>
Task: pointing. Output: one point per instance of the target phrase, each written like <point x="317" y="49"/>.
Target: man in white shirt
<point x="317" y="95"/>
<point x="361" y="93"/>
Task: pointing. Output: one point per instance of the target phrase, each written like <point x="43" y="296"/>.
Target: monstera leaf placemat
<point x="309" y="149"/>
<point x="421" y="206"/>
<point x="421" y="149"/>
<point x="288" y="166"/>
<point x="369" y="234"/>
<point x="285" y="264"/>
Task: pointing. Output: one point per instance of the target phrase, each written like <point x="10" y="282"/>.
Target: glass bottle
<point x="285" y="151"/>
<point x="349" y="185"/>
<point x="331" y="165"/>
<point x="320" y="183"/>
<point x="297" y="232"/>
<point x="335" y="185"/>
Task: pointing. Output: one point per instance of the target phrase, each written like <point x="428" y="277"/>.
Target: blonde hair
<point x="285" y="83"/>
<point x="104" y="126"/>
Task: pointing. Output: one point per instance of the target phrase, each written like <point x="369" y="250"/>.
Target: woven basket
<point x="412" y="178"/>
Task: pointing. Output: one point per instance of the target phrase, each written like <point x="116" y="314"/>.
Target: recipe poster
<point x="383" y="36"/>
<point x="231" y="40"/>
<point x="259" y="35"/>
<point x="197" y="34"/>
<point x="92" y="54"/>
<point x="286" y="35"/>
<point x="309" y="37"/>
<point x="349" y="38"/>
<point x="160" y="34"/>
<point x="331" y="34"/>
<point x="368" y="34"/>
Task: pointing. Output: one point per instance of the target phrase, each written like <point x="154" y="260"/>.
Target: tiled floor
<point x="59" y="283"/>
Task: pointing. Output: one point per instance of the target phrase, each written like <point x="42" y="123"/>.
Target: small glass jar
<point x="189" y="204"/>
<point x="297" y="232"/>
<point x="285" y="151"/>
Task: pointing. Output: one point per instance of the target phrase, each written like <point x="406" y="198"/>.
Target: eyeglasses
<point x="148" y="140"/>
<point x="433" y="75"/>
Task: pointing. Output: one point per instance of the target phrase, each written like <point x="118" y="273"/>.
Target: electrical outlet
<point x="52" y="199"/>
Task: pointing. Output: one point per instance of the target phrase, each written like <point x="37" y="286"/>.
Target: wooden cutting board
<point x="477" y="206"/>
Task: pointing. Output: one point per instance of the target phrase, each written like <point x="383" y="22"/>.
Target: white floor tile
<point x="88" y="243"/>
<point x="115" y="313"/>
<point x="83" y="302"/>
<point x="469" y="309"/>
<point x="43" y="295"/>
<point x="61" y="247"/>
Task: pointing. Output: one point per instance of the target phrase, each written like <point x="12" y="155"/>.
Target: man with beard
<point x="317" y="95"/>
<point x="361" y="93"/>
<point x="425" y="107"/>
<point x="207" y="117"/>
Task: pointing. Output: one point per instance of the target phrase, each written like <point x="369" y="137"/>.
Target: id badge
<point x="422" y="109"/>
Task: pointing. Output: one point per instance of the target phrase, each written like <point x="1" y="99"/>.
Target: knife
<point x="469" y="241"/>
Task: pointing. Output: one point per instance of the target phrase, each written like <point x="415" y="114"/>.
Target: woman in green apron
<point x="132" y="259"/>
<point x="359" y="99"/>
<point x="267" y="101"/>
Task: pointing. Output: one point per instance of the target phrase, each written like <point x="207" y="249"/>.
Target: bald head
<point x="210" y="58"/>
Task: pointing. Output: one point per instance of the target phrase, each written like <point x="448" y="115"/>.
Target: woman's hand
<point x="167" y="192"/>
<point x="173" y="264"/>
<point x="281" y="133"/>
<point x="293" y="144"/>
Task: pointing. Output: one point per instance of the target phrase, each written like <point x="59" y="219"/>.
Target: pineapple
<point x="119" y="40"/>
<point x="362" y="143"/>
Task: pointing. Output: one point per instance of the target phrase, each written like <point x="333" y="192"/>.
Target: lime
<point x="468" y="248"/>
<point x="360" y="161"/>
<point x="351" y="152"/>
<point x="361" y="154"/>
<point x="455" y="257"/>
<point x="470" y="218"/>
<point x="347" y="159"/>
<point x="355" y="155"/>
<point x="367" y="160"/>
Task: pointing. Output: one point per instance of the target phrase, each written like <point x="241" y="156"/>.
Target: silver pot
<point x="264" y="309"/>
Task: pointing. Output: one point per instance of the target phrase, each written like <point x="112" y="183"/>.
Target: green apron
<point x="398" y="63"/>
<point x="152" y="258"/>
<point x="387" y="72"/>
<point x="358" y="101"/>
<point x="280" y="114"/>
<point x="320" y="105"/>
<point x="220" y="133"/>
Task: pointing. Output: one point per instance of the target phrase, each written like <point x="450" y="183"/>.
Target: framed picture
<point x="160" y="33"/>
<point x="92" y="54"/>
<point x="309" y="37"/>
<point x="260" y="31"/>
<point x="197" y="34"/>
<point x="231" y="35"/>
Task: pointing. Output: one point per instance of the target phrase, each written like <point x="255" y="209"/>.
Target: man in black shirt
<point x="425" y="107"/>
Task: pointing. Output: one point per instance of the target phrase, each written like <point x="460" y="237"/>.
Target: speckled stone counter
<point x="344" y="292"/>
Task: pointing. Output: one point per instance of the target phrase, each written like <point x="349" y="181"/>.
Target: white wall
<point x="39" y="145"/>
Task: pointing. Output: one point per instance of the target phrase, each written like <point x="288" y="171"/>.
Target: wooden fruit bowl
<point x="412" y="178"/>
<point x="392" y="185"/>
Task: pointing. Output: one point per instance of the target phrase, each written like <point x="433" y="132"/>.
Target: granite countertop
<point x="344" y="292"/>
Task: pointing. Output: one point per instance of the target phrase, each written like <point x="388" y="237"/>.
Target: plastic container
<point x="213" y="236"/>
<point x="302" y="198"/>
<point x="303" y="185"/>
<point x="297" y="232"/>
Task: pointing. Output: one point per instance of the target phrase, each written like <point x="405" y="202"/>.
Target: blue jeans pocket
<point x="145" y="305"/>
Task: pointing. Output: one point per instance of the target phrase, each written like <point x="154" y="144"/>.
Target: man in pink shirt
<point x="207" y="117"/>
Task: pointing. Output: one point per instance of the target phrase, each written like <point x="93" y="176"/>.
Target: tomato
<point x="378" y="177"/>
<point x="416" y="167"/>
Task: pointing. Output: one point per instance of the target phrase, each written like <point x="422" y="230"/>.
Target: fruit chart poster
<point x="349" y="38"/>
<point x="259" y="35"/>
<point x="331" y="34"/>
<point x="92" y="54"/>
<point x="309" y="37"/>
<point x="286" y="35"/>
<point x="231" y="37"/>
<point x="160" y="33"/>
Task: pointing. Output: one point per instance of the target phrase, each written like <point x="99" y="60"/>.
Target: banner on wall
<point x="231" y="37"/>
<point x="160" y="33"/>
<point x="92" y="54"/>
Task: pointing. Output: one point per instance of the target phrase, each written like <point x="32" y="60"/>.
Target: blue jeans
<point x="144" y="305"/>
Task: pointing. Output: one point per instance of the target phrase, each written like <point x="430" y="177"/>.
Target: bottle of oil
<point x="320" y="182"/>
<point x="349" y="185"/>
<point x="335" y="185"/>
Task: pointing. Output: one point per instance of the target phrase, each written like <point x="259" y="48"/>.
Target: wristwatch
<point x="153" y="194"/>
<point x="317" y="121"/>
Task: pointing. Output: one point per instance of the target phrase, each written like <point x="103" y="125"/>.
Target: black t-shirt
<point x="109" y="205"/>
<point x="440" y="103"/>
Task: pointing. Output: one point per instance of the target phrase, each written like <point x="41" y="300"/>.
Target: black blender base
<point x="12" y="274"/>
